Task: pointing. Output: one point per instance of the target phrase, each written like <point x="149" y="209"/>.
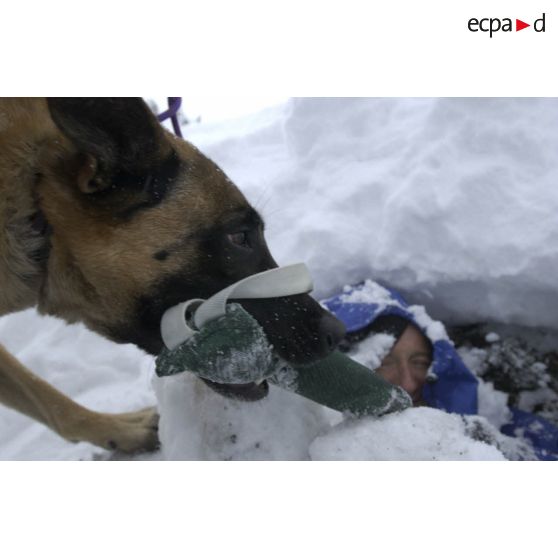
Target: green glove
<point x="233" y="349"/>
<point x="340" y="383"/>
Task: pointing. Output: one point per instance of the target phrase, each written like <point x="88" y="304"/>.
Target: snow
<point x="451" y="201"/>
<point x="419" y="434"/>
<point x="373" y="349"/>
<point x="197" y="423"/>
<point x="374" y="293"/>
<point x="493" y="404"/>
<point x="92" y="370"/>
<point x="492" y="337"/>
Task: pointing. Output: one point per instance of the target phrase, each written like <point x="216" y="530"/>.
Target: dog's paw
<point x="127" y="432"/>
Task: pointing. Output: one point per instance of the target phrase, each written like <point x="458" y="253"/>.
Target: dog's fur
<point x="108" y="219"/>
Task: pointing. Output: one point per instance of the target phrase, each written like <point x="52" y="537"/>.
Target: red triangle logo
<point x="519" y="25"/>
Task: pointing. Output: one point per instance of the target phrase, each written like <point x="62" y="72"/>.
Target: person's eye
<point x="387" y="363"/>
<point x="239" y="239"/>
<point x="422" y="364"/>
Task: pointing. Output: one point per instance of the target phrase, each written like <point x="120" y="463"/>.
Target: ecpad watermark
<point x="494" y="25"/>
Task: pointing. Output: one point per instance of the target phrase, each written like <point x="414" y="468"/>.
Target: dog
<point x="108" y="219"/>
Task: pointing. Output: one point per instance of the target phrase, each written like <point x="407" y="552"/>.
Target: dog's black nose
<point x="330" y="332"/>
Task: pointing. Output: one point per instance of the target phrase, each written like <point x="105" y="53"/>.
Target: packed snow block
<point x="233" y="349"/>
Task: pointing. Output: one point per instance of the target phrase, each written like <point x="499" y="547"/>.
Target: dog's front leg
<point x="25" y="392"/>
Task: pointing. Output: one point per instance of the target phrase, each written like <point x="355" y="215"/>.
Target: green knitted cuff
<point x="340" y="383"/>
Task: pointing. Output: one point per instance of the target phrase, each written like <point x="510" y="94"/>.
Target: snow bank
<point x="451" y="201"/>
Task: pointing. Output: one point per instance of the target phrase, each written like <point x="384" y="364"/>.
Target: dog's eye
<point x="239" y="239"/>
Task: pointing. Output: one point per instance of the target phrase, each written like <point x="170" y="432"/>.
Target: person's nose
<point x="408" y="381"/>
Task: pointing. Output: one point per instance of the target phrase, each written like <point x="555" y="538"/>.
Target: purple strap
<point x="171" y="112"/>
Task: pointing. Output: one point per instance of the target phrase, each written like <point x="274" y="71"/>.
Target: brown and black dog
<point x="108" y="219"/>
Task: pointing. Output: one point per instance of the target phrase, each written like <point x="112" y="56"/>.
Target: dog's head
<point x="141" y="221"/>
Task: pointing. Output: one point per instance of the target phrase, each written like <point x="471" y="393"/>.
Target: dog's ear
<point x="114" y="135"/>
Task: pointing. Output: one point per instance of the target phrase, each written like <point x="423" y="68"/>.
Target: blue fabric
<point x="455" y="388"/>
<point x="542" y="434"/>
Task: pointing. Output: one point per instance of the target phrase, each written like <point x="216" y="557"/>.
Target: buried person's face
<point x="407" y="364"/>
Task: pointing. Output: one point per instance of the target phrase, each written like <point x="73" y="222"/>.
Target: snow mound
<point x="419" y="434"/>
<point x="198" y="423"/>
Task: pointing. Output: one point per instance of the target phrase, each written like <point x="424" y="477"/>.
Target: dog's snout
<point x="331" y="332"/>
<point x="300" y="330"/>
